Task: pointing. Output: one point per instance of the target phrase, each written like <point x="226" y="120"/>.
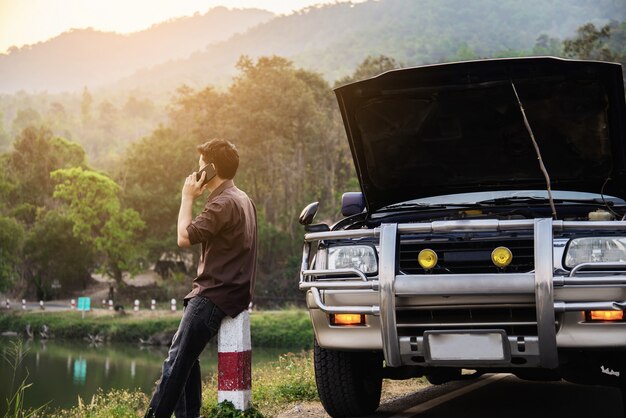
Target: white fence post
<point x="73" y="304"/>
<point x="152" y="304"/>
<point x="173" y="301"/>
<point x="235" y="361"/>
<point x="136" y="308"/>
<point x="110" y="305"/>
<point x="23" y="304"/>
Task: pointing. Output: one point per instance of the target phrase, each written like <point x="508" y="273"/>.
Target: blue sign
<point x="84" y="304"/>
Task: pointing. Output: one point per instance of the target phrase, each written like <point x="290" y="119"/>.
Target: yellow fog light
<point x="501" y="257"/>
<point x="347" y="319"/>
<point x="427" y="258"/>
<point x="606" y="315"/>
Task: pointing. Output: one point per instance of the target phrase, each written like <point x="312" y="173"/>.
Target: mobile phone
<point x="210" y="173"/>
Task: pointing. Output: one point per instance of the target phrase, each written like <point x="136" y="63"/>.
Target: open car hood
<point x="458" y="128"/>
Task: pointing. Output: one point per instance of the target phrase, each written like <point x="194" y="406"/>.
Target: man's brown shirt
<point x="228" y="232"/>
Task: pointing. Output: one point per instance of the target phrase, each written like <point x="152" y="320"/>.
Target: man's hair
<point x="223" y="154"/>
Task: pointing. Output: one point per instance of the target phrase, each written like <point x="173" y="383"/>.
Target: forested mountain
<point x="86" y="57"/>
<point x="330" y="39"/>
<point x="333" y="39"/>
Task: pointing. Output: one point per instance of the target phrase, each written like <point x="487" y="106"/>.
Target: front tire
<point x="348" y="382"/>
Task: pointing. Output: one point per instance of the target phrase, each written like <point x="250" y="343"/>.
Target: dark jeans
<point x="180" y="387"/>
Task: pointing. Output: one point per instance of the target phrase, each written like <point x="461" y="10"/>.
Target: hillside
<point x="333" y="39"/>
<point x="330" y="39"/>
<point x="86" y="57"/>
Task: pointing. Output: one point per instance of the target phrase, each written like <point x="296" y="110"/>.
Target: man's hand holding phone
<point x="193" y="188"/>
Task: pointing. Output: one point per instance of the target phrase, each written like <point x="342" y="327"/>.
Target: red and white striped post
<point x="235" y="361"/>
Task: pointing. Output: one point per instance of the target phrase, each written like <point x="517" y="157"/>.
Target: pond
<point x="60" y="371"/>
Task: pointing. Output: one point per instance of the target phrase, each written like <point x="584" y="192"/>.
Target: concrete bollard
<point x="152" y="304"/>
<point x="104" y="303"/>
<point x="23" y="304"/>
<point x="235" y="361"/>
<point x="41" y="305"/>
<point x="136" y="307"/>
<point x="8" y="304"/>
<point x="73" y="304"/>
<point x="110" y="305"/>
<point x="173" y="302"/>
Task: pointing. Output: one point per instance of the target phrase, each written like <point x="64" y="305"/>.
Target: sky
<point x="24" y="22"/>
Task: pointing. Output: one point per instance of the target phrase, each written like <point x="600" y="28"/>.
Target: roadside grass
<point x="275" y="387"/>
<point x="285" y="328"/>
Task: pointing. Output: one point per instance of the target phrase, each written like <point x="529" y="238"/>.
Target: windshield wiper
<point x="411" y="206"/>
<point x="539" y="200"/>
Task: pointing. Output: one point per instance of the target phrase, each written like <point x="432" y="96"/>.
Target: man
<point x="226" y="230"/>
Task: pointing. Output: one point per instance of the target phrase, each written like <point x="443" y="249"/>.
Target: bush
<point x="226" y="409"/>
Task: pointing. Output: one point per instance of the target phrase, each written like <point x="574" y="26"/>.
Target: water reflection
<point x="80" y="371"/>
<point x="61" y="371"/>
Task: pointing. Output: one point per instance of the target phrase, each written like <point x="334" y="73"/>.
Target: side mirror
<point x="352" y="203"/>
<point x="308" y="213"/>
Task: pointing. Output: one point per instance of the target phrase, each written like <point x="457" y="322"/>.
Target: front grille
<point x="520" y="321"/>
<point x="466" y="255"/>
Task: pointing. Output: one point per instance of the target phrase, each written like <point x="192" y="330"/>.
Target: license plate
<point x="465" y="346"/>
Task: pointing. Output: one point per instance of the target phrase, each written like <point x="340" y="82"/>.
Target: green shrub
<point x="226" y="409"/>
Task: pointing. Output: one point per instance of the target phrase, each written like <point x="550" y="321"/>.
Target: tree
<point x="25" y="118"/>
<point x="98" y="222"/>
<point x="118" y="242"/>
<point x="281" y="125"/>
<point x="590" y="44"/>
<point x="152" y="175"/>
<point x="197" y="114"/>
<point x="370" y="67"/>
<point x="5" y="139"/>
<point x="85" y="107"/>
<point x="545" y="45"/>
<point x="137" y="108"/>
<point x="603" y="44"/>
<point x="36" y="153"/>
<point x="11" y="240"/>
<point x="53" y="253"/>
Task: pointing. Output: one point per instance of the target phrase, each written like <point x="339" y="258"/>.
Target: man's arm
<point x="191" y="190"/>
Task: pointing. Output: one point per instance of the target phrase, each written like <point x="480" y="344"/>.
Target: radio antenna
<point x="532" y="137"/>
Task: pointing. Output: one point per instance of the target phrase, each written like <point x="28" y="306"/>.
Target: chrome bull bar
<point x="541" y="282"/>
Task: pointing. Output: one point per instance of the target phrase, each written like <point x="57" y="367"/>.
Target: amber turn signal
<point x="347" y="319"/>
<point x="427" y="258"/>
<point x="606" y="315"/>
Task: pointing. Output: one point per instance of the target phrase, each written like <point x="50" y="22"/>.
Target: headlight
<point x="595" y="249"/>
<point x="361" y="257"/>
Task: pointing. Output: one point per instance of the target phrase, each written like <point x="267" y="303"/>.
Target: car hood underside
<point x="457" y="128"/>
